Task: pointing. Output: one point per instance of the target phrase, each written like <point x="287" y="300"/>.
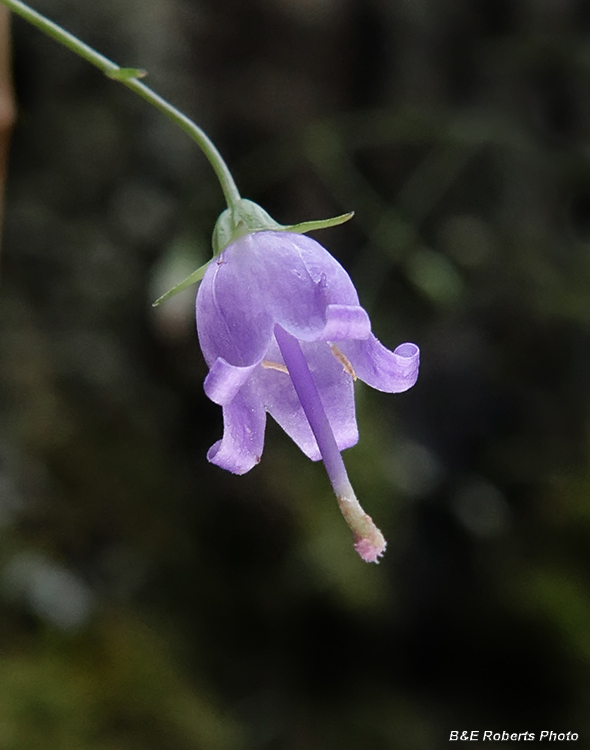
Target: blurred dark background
<point x="150" y="601"/>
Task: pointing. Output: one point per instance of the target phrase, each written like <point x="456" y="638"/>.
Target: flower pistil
<point x="368" y="540"/>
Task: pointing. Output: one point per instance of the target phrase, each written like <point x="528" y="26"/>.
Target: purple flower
<point x="282" y="331"/>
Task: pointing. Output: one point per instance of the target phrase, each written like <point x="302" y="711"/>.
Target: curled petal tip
<point x="224" y="381"/>
<point x="408" y="351"/>
<point x="371" y="549"/>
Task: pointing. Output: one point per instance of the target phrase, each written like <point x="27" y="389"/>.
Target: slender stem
<point x="109" y="68"/>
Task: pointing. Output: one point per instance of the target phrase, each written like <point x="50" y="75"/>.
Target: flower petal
<point x="232" y="319"/>
<point x="324" y="269"/>
<point x="345" y="322"/>
<point x="381" y="368"/>
<point x="336" y="391"/>
<point x="244" y="420"/>
<point x="225" y="380"/>
<point x="315" y="293"/>
<point x="274" y="277"/>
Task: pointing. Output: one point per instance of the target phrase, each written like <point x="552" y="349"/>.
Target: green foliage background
<point x="150" y="601"/>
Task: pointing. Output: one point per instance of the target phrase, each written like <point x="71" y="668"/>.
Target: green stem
<point x="128" y="77"/>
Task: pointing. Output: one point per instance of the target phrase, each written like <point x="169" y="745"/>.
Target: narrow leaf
<point x="310" y="226"/>
<point x="192" y="279"/>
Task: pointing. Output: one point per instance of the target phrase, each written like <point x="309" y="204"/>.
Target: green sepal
<point x="248" y="217"/>
<point x="244" y="218"/>
<point x="194" y="277"/>
<point x="126" y="74"/>
<point x="310" y="226"/>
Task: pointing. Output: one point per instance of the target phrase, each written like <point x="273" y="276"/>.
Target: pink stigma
<point x="369" y="551"/>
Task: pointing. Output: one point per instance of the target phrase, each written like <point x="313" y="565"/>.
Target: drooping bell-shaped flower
<point x="282" y="332"/>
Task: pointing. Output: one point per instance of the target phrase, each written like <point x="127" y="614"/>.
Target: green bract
<point x="247" y="217"/>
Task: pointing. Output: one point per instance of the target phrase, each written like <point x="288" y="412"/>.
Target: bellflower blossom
<point x="282" y="331"/>
<point x="279" y="323"/>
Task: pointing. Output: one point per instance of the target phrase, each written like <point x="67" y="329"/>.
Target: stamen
<point x="344" y="361"/>
<point x="268" y="365"/>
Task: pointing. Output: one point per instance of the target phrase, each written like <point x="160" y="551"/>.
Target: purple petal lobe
<point x="325" y="270"/>
<point x="307" y="291"/>
<point x="345" y="322"/>
<point x="244" y="420"/>
<point x="267" y="278"/>
<point x="225" y="380"/>
<point x="232" y="319"/>
<point x="381" y="368"/>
